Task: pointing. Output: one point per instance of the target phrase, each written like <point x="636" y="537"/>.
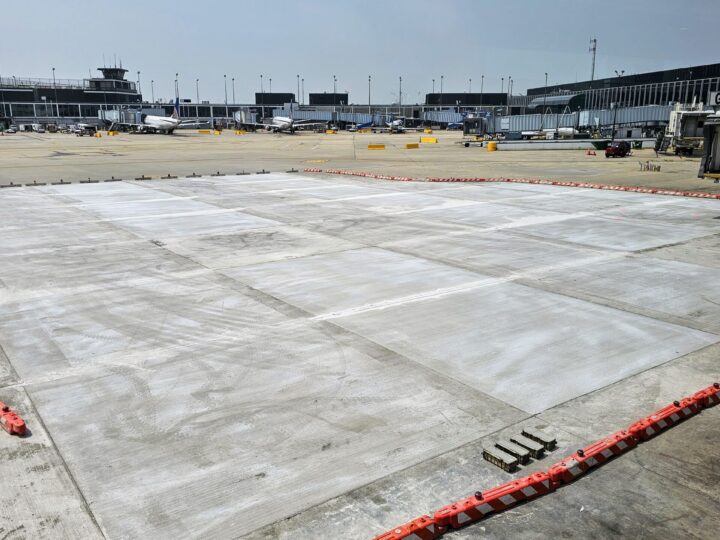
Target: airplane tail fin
<point x="176" y="109"/>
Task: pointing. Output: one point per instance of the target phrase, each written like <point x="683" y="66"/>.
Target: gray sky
<point x="418" y="39"/>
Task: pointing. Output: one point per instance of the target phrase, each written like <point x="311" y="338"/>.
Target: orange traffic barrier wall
<point x="477" y="507"/>
<point x="10" y="421"/>
<point x="541" y="181"/>
<point x="422" y="528"/>
<point x="497" y="499"/>
<point x="579" y="463"/>
<point x="666" y="417"/>
<point x="708" y="397"/>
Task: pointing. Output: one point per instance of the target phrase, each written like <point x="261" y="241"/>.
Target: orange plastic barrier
<point x="564" y="183"/>
<point x="666" y="417"/>
<point x="10" y="421"/>
<point x="708" y="397"/>
<point x="591" y="456"/>
<point x="422" y="528"/>
<point x="497" y="499"/>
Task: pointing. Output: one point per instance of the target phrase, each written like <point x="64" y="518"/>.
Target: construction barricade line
<point x="483" y="503"/>
<point x="540" y="181"/>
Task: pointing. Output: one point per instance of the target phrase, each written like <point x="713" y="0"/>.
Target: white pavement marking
<point x="447" y="291"/>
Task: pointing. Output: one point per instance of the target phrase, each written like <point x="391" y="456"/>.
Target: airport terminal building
<point x="646" y="99"/>
<point x="683" y="85"/>
<point x="59" y="98"/>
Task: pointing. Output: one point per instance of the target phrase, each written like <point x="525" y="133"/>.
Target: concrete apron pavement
<point x="210" y="356"/>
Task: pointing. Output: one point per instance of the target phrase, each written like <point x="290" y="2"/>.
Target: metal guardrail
<point x="10" y="82"/>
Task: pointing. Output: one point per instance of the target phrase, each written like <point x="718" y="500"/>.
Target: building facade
<point x="682" y="85"/>
<point x="58" y="98"/>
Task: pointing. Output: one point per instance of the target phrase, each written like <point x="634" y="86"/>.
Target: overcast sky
<point x="417" y="39"/>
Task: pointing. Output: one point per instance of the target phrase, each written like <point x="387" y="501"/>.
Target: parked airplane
<point x="396" y="125"/>
<point x="279" y="124"/>
<point x="356" y="127"/>
<point x="150" y="123"/>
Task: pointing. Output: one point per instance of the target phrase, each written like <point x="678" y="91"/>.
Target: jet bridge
<point x="710" y="162"/>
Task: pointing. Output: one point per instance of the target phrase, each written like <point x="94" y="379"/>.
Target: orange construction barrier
<point x="591" y="456"/>
<point x="10" y="421"/>
<point x="540" y="181"/>
<point x="708" y="397"/>
<point x="497" y="499"/>
<point x="422" y="528"/>
<point x="666" y="417"/>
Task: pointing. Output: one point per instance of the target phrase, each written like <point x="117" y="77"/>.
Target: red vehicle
<point x="618" y="149"/>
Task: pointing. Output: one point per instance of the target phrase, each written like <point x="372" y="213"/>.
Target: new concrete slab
<point x="674" y="288"/>
<point x="349" y="279"/>
<point x="256" y="246"/>
<point x="198" y="347"/>
<point x="616" y="233"/>
<point x="205" y="441"/>
<point x="39" y="498"/>
<point x="489" y="252"/>
<point x="515" y="342"/>
<point x="673" y="475"/>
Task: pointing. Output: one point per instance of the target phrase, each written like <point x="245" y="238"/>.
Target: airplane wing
<point x="186" y="123"/>
<point x="127" y="125"/>
<point x="254" y="124"/>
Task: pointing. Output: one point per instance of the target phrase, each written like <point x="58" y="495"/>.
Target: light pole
<point x="400" y="94"/>
<point x="298" y="88"/>
<point x="482" y="84"/>
<point x="138" y="88"/>
<point x="442" y="77"/>
<point x="233" y="90"/>
<point x="433" y="86"/>
<point x="369" y="82"/>
<point x="542" y="118"/>
<point x="507" y="107"/>
<point x="270" y="79"/>
<point x="262" y="97"/>
<point x="619" y="76"/>
<point x="502" y="84"/>
<point x="55" y="90"/>
<point x="302" y="82"/>
<point x="152" y="90"/>
<point x="470" y="85"/>
<point x="197" y="91"/>
<point x="177" y="86"/>
<point x="334" y="91"/>
<point x="225" y="83"/>
<point x="2" y="94"/>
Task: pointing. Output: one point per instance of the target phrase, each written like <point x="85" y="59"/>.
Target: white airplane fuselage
<point x="396" y="126"/>
<point x="161" y="123"/>
<point x="281" y="123"/>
